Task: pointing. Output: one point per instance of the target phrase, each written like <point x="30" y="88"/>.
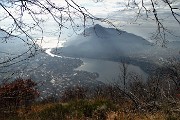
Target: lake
<point x="108" y="71"/>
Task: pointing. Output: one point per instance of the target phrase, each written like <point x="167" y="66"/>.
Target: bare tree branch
<point x="71" y="12"/>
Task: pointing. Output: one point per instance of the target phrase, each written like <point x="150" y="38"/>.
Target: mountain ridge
<point x="100" y="42"/>
<point x="105" y="42"/>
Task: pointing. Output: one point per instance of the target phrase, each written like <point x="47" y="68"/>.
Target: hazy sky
<point x="121" y="15"/>
<point x="115" y="11"/>
<point x="124" y="17"/>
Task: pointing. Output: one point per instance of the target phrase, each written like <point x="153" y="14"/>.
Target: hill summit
<point x="99" y="41"/>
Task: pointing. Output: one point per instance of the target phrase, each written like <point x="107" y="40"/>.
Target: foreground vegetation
<point x="92" y="110"/>
<point x="107" y="102"/>
<point x="157" y="98"/>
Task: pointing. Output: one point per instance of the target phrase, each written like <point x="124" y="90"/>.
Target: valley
<point x="91" y="60"/>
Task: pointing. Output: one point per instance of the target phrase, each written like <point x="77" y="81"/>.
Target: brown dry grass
<point x="135" y="116"/>
<point x="120" y="114"/>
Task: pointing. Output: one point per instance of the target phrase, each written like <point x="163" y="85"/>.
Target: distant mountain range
<point x="101" y="42"/>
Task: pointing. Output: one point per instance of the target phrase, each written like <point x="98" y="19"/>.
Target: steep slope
<point x="105" y="43"/>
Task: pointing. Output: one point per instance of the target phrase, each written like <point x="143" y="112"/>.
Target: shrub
<point x="57" y="112"/>
<point x="17" y="93"/>
<point x="74" y="93"/>
<point x="81" y="109"/>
